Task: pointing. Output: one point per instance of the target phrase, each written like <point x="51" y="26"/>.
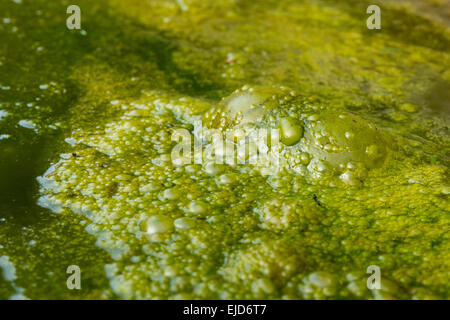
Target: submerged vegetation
<point x="86" y="118"/>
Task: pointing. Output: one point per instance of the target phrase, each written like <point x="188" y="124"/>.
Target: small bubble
<point x="347" y="178"/>
<point x="3" y="114"/>
<point x="321" y="166"/>
<point x="135" y="259"/>
<point x="27" y="124"/>
<point x="305" y="158"/>
<point x="185" y="223"/>
<point x="197" y="207"/>
<point x="211" y="168"/>
<point x="225" y="179"/>
<point x="169" y="194"/>
<point x="372" y="151"/>
<point x="158" y="224"/>
<point x="291" y="131"/>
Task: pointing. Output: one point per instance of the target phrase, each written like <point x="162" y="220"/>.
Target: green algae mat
<point x="90" y="120"/>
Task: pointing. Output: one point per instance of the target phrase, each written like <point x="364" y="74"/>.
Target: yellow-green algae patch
<point x="289" y="235"/>
<point x="369" y="192"/>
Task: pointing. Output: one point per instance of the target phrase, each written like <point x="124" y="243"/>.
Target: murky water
<point x="56" y="83"/>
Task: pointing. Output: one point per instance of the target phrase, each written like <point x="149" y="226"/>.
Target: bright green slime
<point x="363" y="176"/>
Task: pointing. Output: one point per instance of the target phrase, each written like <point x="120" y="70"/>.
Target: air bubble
<point x="197" y="207"/>
<point x="158" y="224"/>
<point x="291" y="131"/>
<point x="185" y="223"/>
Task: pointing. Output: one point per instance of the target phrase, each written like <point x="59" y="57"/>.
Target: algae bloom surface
<point x="87" y="124"/>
